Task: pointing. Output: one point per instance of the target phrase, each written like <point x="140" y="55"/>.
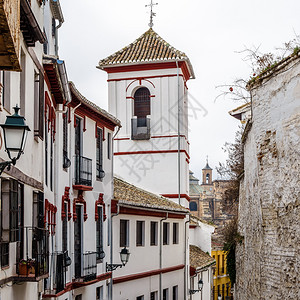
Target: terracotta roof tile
<point x="200" y="259"/>
<point x="93" y="106"/>
<point x="149" y="47"/>
<point x="129" y="194"/>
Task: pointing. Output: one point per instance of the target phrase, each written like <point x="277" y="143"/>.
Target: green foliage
<point x="231" y="239"/>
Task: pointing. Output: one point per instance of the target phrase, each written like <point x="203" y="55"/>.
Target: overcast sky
<point x="209" y="32"/>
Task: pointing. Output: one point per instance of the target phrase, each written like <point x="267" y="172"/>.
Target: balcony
<point x="89" y="267"/>
<point x="140" y="128"/>
<point x="59" y="262"/>
<point x="34" y="266"/>
<point x="10" y="35"/>
<point x="83" y="172"/>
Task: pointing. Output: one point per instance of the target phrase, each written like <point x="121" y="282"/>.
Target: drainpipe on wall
<point x="111" y="250"/>
<point x="185" y="253"/>
<point x="160" y="255"/>
<point x="178" y="129"/>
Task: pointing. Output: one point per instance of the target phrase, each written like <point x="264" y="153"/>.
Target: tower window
<point x="207" y="178"/>
<point x="142" y="103"/>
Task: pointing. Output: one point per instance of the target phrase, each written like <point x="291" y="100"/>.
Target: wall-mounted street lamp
<point x="15" y="132"/>
<point x="200" y="287"/>
<point x="124" y="255"/>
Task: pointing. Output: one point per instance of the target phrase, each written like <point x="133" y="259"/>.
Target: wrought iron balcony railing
<point x="89" y="266"/>
<point x="83" y="171"/>
<point x="59" y="261"/>
<point x="35" y="264"/>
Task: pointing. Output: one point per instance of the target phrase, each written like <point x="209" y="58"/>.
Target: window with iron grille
<point x="99" y="233"/>
<point x="65" y="140"/>
<point x="51" y="163"/>
<point x="166" y="233"/>
<point x="140" y="298"/>
<point x="153" y="233"/>
<point x="39" y="104"/>
<point x="46" y="150"/>
<point x="124" y="233"/>
<point x="175" y="292"/>
<point x="99" y="293"/>
<point x="142" y="106"/>
<point x="65" y="230"/>
<point x="154" y="295"/>
<point x="165" y="294"/>
<point x="175" y="233"/>
<point x="140" y="233"/>
<point x="4" y="254"/>
<point x="109" y="145"/>
<point x="99" y="154"/>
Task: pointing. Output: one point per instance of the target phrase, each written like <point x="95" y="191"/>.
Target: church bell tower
<point x="147" y="92"/>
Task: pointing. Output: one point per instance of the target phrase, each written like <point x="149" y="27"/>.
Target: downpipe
<point x="185" y="258"/>
<point x="160" y="255"/>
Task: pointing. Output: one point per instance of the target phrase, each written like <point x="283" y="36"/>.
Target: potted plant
<point x="27" y="267"/>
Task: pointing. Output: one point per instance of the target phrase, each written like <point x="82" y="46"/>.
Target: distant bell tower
<point x="207" y="174"/>
<point x="147" y="92"/>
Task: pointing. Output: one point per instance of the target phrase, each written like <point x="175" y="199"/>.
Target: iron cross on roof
<point x="152" y="14"/>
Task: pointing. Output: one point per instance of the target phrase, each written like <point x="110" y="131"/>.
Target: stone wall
<point x="268" y="260"/>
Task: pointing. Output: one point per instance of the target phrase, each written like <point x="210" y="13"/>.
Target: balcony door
<point x="78" y="244"/>
<point x="78" y="148"/>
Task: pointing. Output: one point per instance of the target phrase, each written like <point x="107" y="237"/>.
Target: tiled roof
<point x="149" y="47"/>
<point x="195" y="220"/>
<point x="92" y="105"/>
<point x="200" y="259"/>
<point x="129" y="194"/>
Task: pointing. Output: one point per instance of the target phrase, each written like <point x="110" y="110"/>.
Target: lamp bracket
<point x="112" y="267"/>
<point x="5" y="164"/>
<point x="194" y="291"/>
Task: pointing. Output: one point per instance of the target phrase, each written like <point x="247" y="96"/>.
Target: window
<point x="223" y="291"/>
<point x="12" y="210"/>
<point x="78" y="297"/>
<point x="65" y="230"/>
<point x="6" y="90"/>
<point x="166" y="233"/>
<point x="154" y="295"/>
<point x="153" y="233"/>
<point x="175" y="292"/>
<point x="165" y="294"/>
<point x="46" y="149"/>
<point x="51" y="163"/>
<point x="175" y="233"/>
<point x="140" y="233"/>
<point x="223" y="264"/>
<point x="99" y="293"/>
<point x="193" y="206"/>
<point x="99" y="233"/>
<point x="124" y="233"/>
<point x="22" y="84"/>
<point x="99" y="154"/>
<point x="142" y="105"/>
<point x="140" y="298"/>
<point x="109" y="145"/>
<point x="38" y="104"/>
<point x="4" y="254"/>
<point x="66" y="161"/>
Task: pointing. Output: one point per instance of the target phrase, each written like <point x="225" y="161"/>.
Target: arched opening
<point x="142" y="106"/>
<point x="193" y="206"/>
<point x="207" y="178"/>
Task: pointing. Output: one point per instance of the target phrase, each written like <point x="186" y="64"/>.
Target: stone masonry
<point x="268" y="259"/>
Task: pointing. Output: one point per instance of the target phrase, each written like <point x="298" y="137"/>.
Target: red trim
<point x="134" y="80"/>
<point x="143" y="78"/>
<point x="192" y="271"/>
<point x="187" y="161"/>
<point x="142" y="211"/>
<point x="69" y="114"/>
<point x="74" y="285"/>
<point x="80" y="200"/>
<point x="193" y="226"/>
<point x="152" y="152"/>
<point x="150" y="66"/>
<point x="166" y="136"/>
<point x="121" y="139"/>
<point x="146" y="274"/>
<point x="187" y="197"/>
<point x="100" y="202"/>
<point x="79" y="187"/>
<point x="66" y="198"/>
<point x="84" y="123"/>
<point x="130" y="98"/>
<point x="50" y="216"/>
